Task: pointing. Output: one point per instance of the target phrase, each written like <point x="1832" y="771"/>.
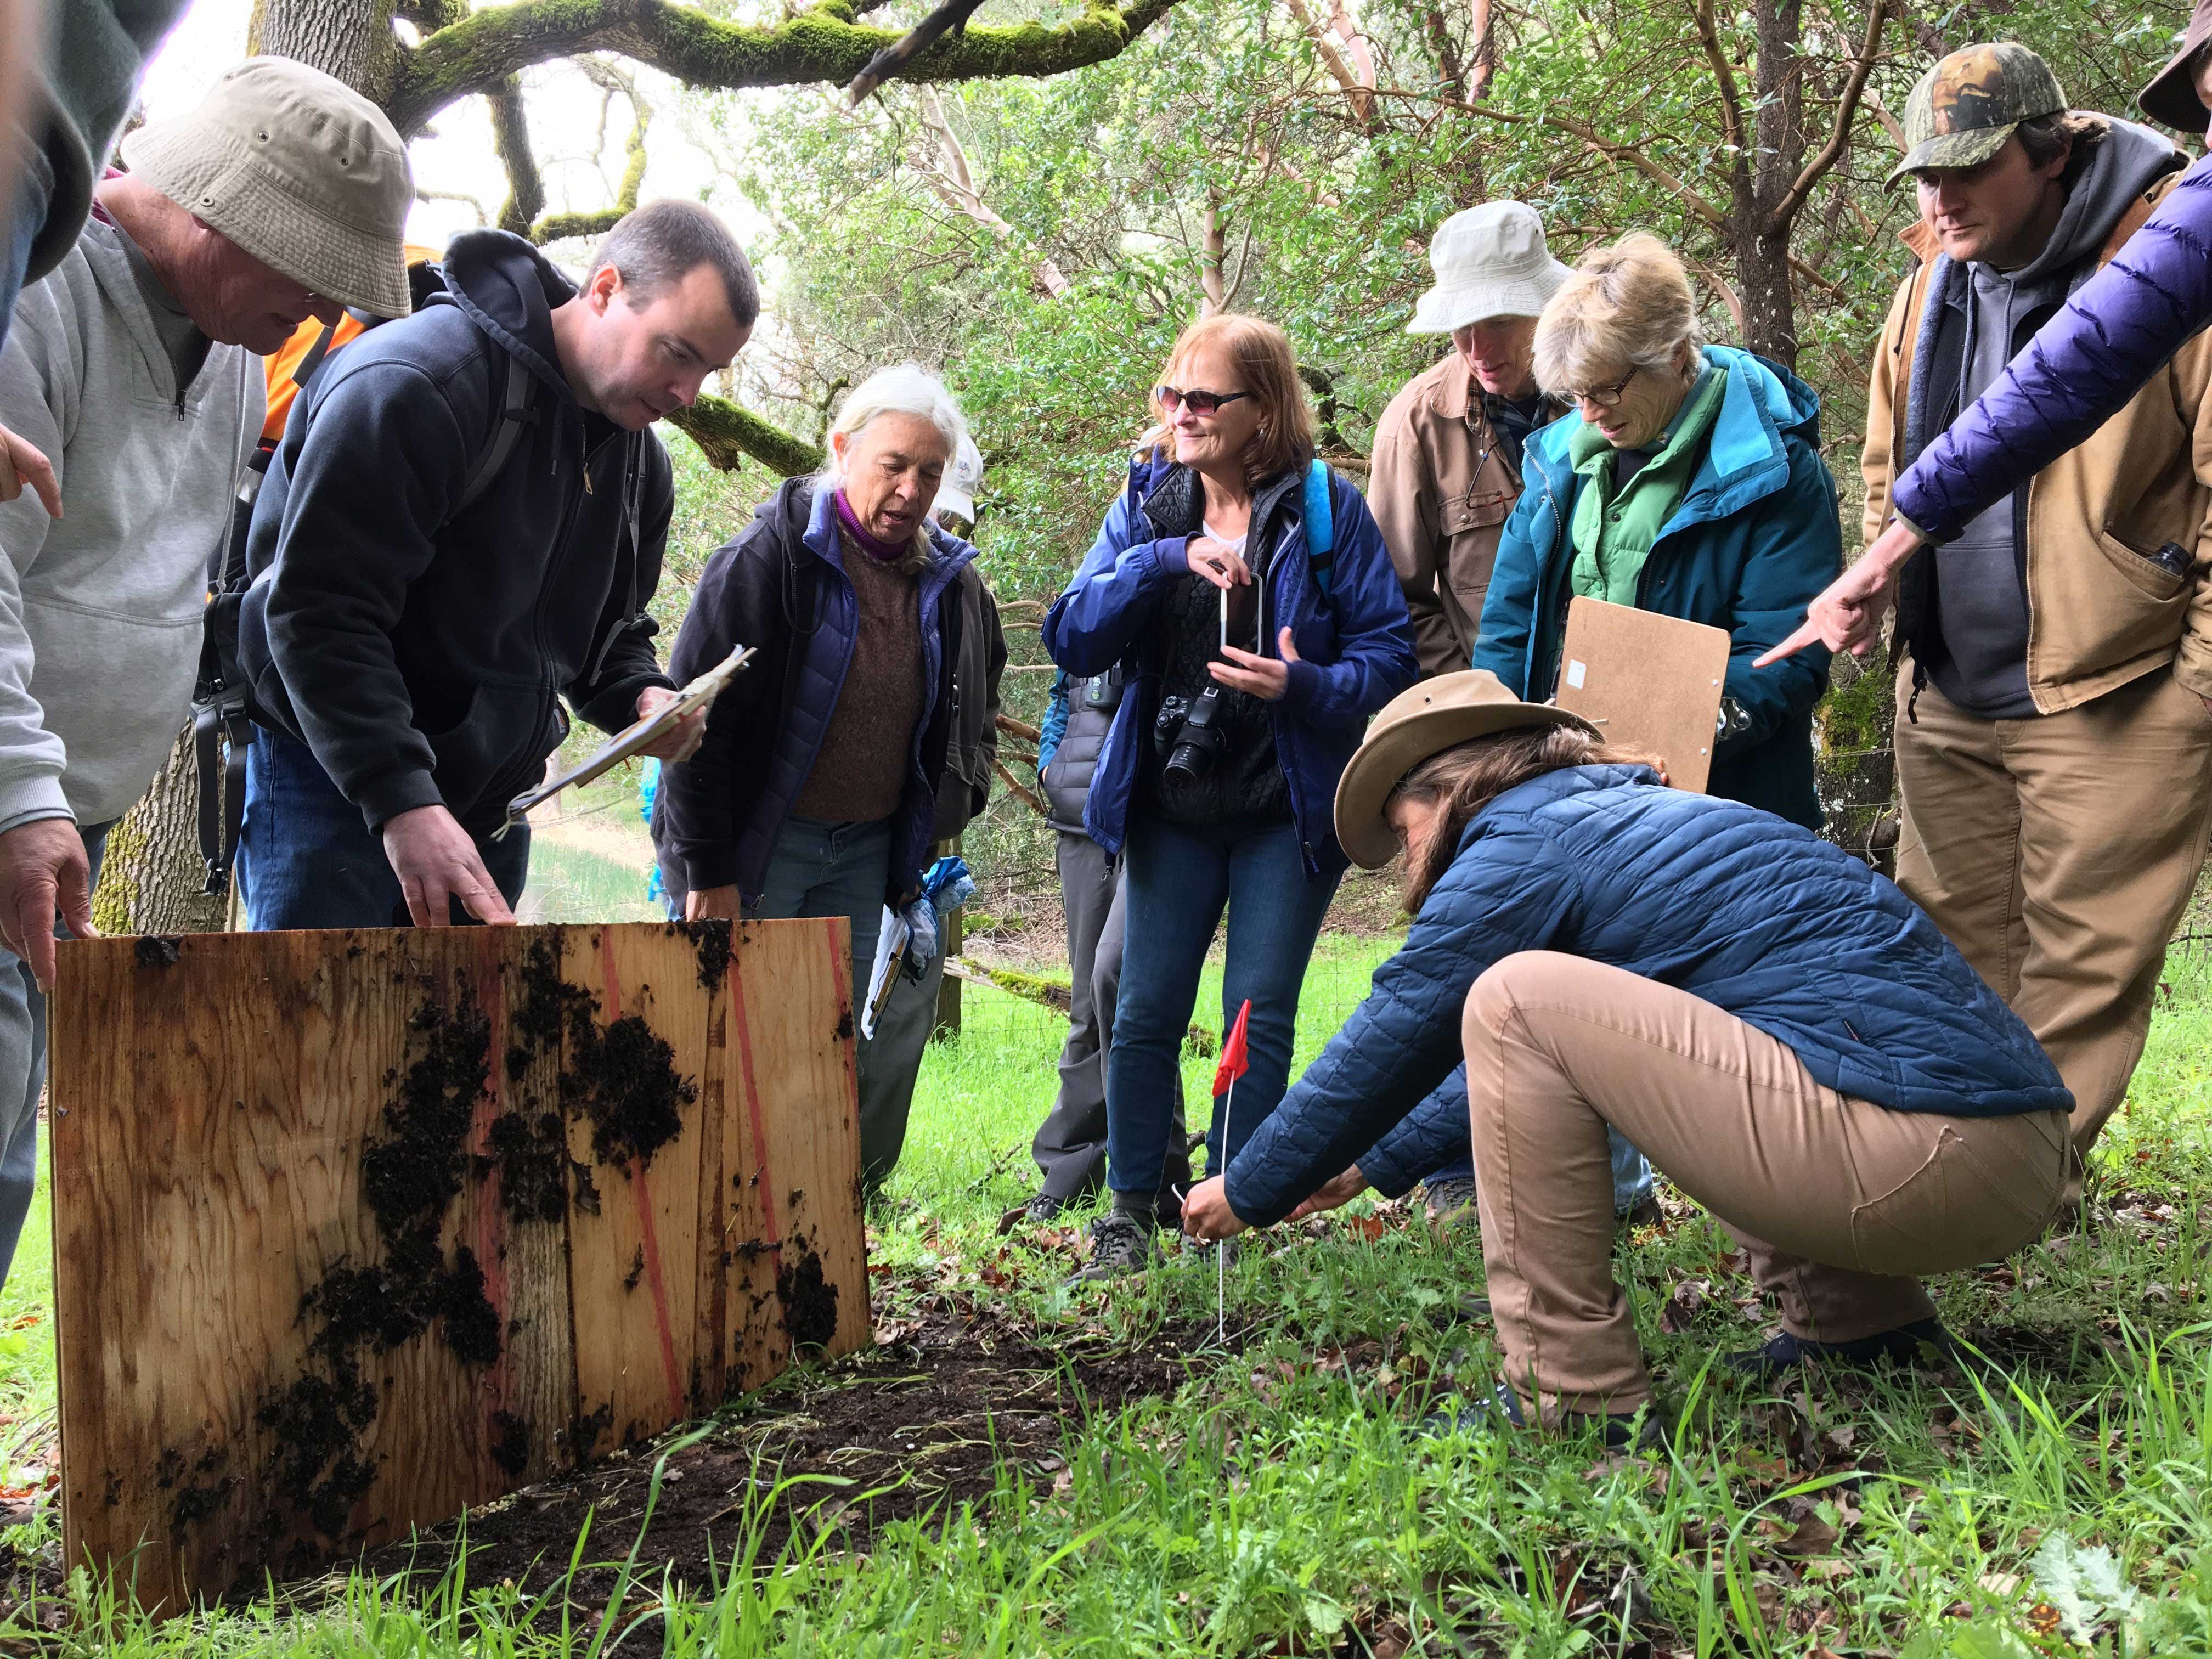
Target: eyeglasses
<point x="1602" y="397"/>
<point x="1199" y="403"/>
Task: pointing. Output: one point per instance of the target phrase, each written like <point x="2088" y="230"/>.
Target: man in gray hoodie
<point x="133" y="366"/>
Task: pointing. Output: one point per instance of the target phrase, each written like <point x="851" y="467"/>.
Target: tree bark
<point x="350" y="39"/>
<point x="151" y="878"/>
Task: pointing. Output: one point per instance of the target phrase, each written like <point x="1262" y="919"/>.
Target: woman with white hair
<point x="814" y="789"/>
<point x="1692" y="486"/>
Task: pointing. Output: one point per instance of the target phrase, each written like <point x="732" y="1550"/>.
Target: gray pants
<point x="1070" y="1149"/>
<point x="902" y="1028"/>
<point x="23" y="1073"/>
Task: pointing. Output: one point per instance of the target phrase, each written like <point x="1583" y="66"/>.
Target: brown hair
<point x="1269" y="369"/>
<point x="1468" y="776"/>
<point x="2074" y="134"/>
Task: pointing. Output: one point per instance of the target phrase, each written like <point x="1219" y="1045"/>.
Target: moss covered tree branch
<point x="822" y="44"/>
<point x="556" y="225"/>
<point x="726" y="435"/>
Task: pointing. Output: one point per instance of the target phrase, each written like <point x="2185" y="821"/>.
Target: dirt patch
<point x="625" y="1080"/>
<point x="711" y="940"/>
<point x="158" y="951"/>
<point x="927" y="1418"/>
<point x="810" y="1301"/>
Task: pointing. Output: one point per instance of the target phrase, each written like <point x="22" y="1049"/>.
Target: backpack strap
<point x="514" y="415"/>
<point x="1321" y="529"/>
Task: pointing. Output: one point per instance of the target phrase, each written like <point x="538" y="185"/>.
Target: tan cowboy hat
<point x="1433" y="716"/>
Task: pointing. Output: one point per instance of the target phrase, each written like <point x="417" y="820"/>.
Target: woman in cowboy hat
<point x="1783" y="1033"/>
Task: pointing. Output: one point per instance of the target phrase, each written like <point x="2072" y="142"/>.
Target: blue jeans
<point x="1632" y="1175"/>
<point x="824" y="869"/>
<point x="1180" y="878"/>
<point x="307" y="859"/>
<point x="23" y="1071"/>
<point x="34" y="189"/>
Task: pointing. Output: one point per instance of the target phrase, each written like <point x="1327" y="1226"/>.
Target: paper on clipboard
<point x="1647" y="682"/>
<point x="891" y="952"/>
<point x="699" y="694"/>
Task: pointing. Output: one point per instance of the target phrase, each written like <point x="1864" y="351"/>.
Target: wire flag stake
<point x="1236" y="1061"/>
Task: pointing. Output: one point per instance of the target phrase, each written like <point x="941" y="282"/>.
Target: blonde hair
<point x="1627" y="303"/>
<point x="1269" y="369"/>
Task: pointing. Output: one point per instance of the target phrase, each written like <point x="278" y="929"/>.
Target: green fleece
<point x="1612" y="534"/>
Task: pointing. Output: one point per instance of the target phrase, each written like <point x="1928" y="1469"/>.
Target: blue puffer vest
<point x="1354" y="642"/>
<point x="1730" y="904"/>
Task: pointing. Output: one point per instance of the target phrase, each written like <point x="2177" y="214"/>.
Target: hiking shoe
<point x="1120" y="1244"/>
<point x="1645" y="1212"/>
<point x="1448" y="1201"/>
<point x="1900" y="1347"/>
<point x="1623" y="1431"/>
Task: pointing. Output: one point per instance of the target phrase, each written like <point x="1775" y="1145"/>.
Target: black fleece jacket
<point x="422" y="652"/>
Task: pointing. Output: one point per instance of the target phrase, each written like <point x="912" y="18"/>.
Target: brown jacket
<point x="2101" y="612"/>
<point x="1441" y="491"/>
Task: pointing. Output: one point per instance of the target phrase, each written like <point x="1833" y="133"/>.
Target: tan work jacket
<point x="2101" y="612"/>
<point x="1441" y="491"/>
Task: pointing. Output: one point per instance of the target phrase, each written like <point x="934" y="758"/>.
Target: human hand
<point x="706" y="903"/>
<point x="1218" y="563"/>
<point x="681" y="741"/>
<point x="1332" y="1194"/>
<point x="1206" y="1212"/>
<point x="1848" y="614"/>
<point x="1265" y="678"/>
<point x="23" y="463"/>
<point x="436" y="862"/>
<point x="42" y="869"/>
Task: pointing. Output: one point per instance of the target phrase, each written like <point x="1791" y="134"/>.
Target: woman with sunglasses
<point x="1247" y="595"/>
<point x="1692" y="486"/>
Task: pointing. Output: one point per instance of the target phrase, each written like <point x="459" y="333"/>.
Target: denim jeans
<point x="34" y="189"/>
<point x="1631" y="1174"/>
<point x="824" y="869"/>
<point x="1180" y="878"/>
<point x="307" y="859"/>
<point x="23" y="1071"/>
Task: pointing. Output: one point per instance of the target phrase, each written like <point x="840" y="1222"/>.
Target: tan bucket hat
<point x="300" y="171"/>
<point x="2171" y="96"/>
<point x="1489" y="261"/>
<point x="1427" y="720"/>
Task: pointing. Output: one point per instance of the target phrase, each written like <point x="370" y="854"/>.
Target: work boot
<point x="1621" y="1431"/>
<point x="1122" y="1244"/>
<point x="1903" y="1346"/>
<point x="1449" y="1201"/>
<point x="1645" y="1212"/>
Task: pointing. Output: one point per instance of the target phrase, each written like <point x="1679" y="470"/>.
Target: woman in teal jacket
<point x="1692" y="486"/>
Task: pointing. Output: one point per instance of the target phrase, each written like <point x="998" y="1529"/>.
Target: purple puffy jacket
<point x="2120" y="328"/>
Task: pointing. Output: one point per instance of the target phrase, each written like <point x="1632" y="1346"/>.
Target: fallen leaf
<point x="1812" y="1536"/>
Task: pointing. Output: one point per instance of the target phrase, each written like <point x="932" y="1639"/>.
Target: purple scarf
<point x="875" y="547"/>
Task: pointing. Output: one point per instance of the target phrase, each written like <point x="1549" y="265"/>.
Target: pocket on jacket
<point x="1952" y="1212"/>
<point x="2153" y="579"/>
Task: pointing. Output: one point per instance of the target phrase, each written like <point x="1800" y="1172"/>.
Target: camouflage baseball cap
<point x="1967" y="106"/>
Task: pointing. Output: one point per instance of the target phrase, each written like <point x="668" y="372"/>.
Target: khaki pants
<point x="1841" y="1203"/>
<point x="2057" y="854"/>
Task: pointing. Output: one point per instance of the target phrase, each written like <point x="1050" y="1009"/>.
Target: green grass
<point x="1285" y="1500"/>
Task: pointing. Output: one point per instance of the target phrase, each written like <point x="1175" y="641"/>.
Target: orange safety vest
<point x="283" y="363"/>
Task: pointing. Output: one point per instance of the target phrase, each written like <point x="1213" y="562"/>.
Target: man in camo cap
<point x="133" y="367"/>
<point x="2053" y="752"/>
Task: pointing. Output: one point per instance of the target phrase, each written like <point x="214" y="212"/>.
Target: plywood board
<point x="1647" y="682"/>
<point x="355" y="1230"/>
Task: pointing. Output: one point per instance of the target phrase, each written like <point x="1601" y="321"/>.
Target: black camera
<point x="1188" y="732"/>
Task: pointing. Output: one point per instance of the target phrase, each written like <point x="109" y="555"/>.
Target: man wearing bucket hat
<point x="2055" y="647"/>
<point x="1780" y="1029"/>
<point x="1446" y="462"/>
<point x="133" y="366"/>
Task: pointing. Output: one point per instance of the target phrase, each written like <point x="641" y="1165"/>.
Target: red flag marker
<point x="1235" y="1062"/>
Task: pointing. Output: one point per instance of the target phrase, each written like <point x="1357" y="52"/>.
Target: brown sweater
<point x="861" y="773"/>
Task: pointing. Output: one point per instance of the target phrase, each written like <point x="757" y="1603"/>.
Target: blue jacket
<point x="780" y="585"/>
<point x="1752" y="915"/>
<point x="2081" y="368"/>
<point x="1355" y="645"/>
<point x="1754" y="540"/>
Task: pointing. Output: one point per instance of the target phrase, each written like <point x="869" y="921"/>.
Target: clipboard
<point x="700" y="694"/>
<point x="1647" y="682"/>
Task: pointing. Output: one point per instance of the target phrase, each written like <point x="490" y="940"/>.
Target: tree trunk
<point x="151" y="877"/>
<point x="350" y="39"/>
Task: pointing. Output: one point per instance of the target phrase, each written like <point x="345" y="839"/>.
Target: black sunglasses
<point x="1199" y="403"/>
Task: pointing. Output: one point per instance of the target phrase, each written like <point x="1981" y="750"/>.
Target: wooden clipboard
<point x="1646" y="682"/>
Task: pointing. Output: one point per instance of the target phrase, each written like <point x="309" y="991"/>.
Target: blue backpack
<point x="1321" y="529"/>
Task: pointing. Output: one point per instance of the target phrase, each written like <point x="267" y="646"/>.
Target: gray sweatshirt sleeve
<point x="39" y="394"/>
